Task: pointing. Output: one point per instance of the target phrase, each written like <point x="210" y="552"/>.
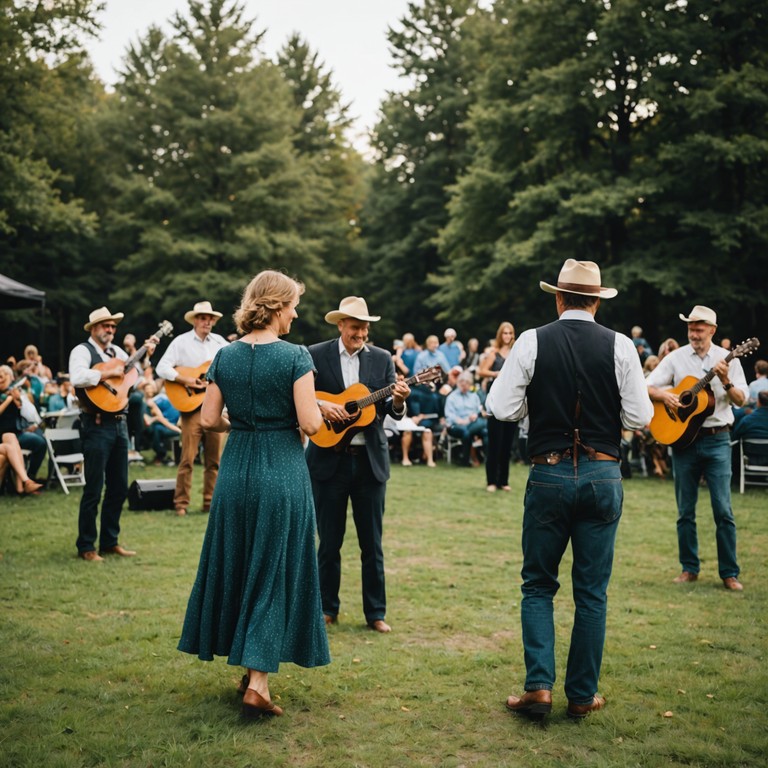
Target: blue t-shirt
<point x="167" y="408"/>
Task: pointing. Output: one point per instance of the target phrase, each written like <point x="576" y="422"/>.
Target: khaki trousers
<point x="192" y="433"/>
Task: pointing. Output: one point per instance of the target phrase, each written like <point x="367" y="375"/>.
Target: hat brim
<point x="695" y="320"/>
<point x="336" y="315"/>
<point x="117" y="318"/>
<point x="191" y="315"/>
<point x="604" y="293"/>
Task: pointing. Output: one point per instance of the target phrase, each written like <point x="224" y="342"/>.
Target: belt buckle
<point x="553" y="457"/>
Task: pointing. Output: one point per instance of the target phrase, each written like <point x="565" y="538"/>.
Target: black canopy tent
<point x="15" y="295"/>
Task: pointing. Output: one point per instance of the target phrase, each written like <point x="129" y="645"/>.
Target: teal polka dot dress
<point x="256" y="597"/>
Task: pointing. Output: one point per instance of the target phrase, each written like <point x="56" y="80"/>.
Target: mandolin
<point x="359" y="403"/>
<point x="678" y="427"/>
<point x="184" y="398"/>
<point x="111" y="394"/>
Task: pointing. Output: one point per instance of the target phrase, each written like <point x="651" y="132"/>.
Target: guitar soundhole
<point x="686" y="398"/>
<point x="351" y="407"/>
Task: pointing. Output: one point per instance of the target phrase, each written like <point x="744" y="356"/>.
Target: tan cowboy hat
<point x="701" y="314"/>
<point x="351" y="306"/>
<point x="582" y="277"/>
<point x="100" y="315"/>
<point x="201" y="308"/>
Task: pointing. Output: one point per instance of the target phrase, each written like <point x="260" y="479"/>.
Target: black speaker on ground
<point x="151" y="494"/>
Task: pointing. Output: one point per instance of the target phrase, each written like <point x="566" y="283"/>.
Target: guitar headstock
<point x="746" y="347"/>
<point x="164" y="329"/>
<point x="434" y="373"/>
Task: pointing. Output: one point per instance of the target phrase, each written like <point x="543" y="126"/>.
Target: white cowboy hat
<point x="100" y="315"/>
<point x="701" y="314"/>
<point x="201" y="308"/>
<point x="351" y="306"/>
<point x="582" y="277"/>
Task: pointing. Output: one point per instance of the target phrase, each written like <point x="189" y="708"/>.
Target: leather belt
<point x="555" y="457"/>
<point x="707" y="431"/>
<point x="354" y="450"/>
<point x="104" y="418"/>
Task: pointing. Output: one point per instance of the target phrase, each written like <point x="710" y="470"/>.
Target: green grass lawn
<point x="90" y="675"/>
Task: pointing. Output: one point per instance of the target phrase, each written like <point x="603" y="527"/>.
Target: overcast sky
<point x="349" y="35"/>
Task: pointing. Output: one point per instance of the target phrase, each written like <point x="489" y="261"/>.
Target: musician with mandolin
<point x="183" y="366"/>
<point x="348" y="459"/>
<point x="694" y="389"/>
<point x="103" y="375"/>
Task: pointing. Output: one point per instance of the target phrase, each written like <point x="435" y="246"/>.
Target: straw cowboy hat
<point x="351" y="306"/>
<point x="701" y="314"/>
<point x="100" y="315"/>
<point x="582" y="277"/>
<point x="201" y="308"/>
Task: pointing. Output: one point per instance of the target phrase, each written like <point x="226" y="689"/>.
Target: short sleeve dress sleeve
<point x="213" y="368"/>
<point x="302" y="363"/>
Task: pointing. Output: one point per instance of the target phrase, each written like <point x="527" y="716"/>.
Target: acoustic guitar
<point x="678" y="427"/>
<point x="183" y="397"/>
<point x="111" y="394"/>
<point x="360" y="403"/>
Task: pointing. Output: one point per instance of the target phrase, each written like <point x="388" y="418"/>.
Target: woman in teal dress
<point x="256" y="598"/>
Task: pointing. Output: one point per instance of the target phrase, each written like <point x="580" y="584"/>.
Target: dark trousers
<point x="34" y="442"/>
<point x="105" y="451"/>
<point x="501" y="436"/>
<point x="353" y="481"/>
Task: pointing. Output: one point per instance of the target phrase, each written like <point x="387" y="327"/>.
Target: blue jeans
<point x="467" y="433"/>
<point x="709" y="457"/>
<point x="582" y="505"/>
<point x="105" y="454"/>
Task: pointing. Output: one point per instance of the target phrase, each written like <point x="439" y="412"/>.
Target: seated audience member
<point x="755" y="426"/>
<point x="30" y="437"/>
<point x="431" y="356"/>
<point x="11" y="402"/>
<point x="472" y="360"/>
<point x="407" y="355"/>
<point x="650" y="363"/>
<point x="760" y="384"/>
<point x="642" y="350"/>
<point x="163" y="425"/>
<point x="452" y="349"/>
<point x="38" y="368"/>
<point x="424" y="411"/>
<point x="667" y="346"/>
<point x="34" y="385"/>
<point x="463" y="416"/>
<point x="639" y="341"/>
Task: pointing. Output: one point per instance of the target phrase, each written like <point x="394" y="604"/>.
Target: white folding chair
<point x="71" y="463"/>
<point x="446" y="443"/>
<point x="751" y="473"/>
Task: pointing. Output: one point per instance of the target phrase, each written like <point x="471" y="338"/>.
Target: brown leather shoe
<point x="117" y="550"/>
<point x="582" y="710"/>
<point x="90" y="556"/>
<point x="255" y="706"/>
<point x="685" y="577"/>
<point x="534" y="704"/>
<point x="330" y="619"/>
<point x="733" y="583"/>
<point x="181" y="511"/>
<point x="380" y="626"/>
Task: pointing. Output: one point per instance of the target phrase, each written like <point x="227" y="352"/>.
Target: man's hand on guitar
<point x="115" y="369"/>
<point x="400" y="392"/>
<point x="151" y="343"/>
<point x="669" y="398"/>
<point x="332" y="411"/>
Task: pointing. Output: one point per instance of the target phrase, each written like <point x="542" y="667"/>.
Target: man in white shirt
<point x="579" y="383"/>
<point x="194" y="350"/>
<point x="710" y="453"/>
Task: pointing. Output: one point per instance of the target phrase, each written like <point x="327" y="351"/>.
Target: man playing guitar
<point x="194" y="350"/>
<point x="104" y="436"/>
<point x="710" y="452"/>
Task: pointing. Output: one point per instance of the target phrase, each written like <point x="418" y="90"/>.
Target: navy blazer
<point x="376" y="371"/>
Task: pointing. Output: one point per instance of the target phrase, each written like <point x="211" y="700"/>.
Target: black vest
<point x="574" y="361"/>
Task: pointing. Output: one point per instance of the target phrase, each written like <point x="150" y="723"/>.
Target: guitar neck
<point x="380" y="394"/>
<point x="704" y="380"/>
